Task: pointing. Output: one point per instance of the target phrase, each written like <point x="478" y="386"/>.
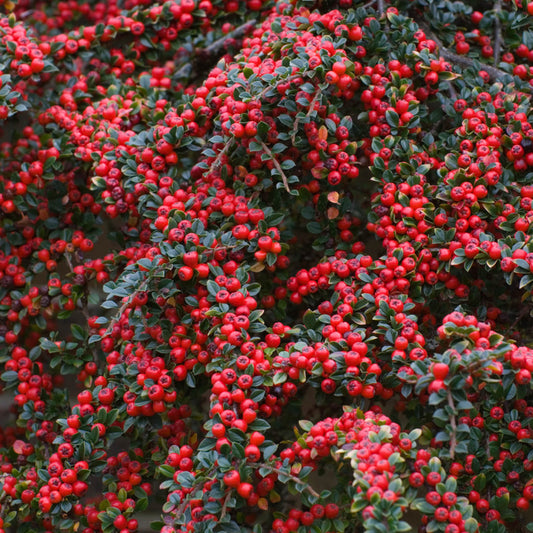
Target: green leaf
<point x="269" y="450"/>
<point x="78" y="332"/>
<point x="166" y="470"/>
<point x="259" y="425"/>
<point x="306" y="425"/>
<point x="287" y="164"/>
<point x="471" y="525"/>
<point x="212" y="287"/>
<point x="424" y="507"/>
<point x="314" y="228"/>
<point x="392" y="118"/>
<point x="9" y="376"/>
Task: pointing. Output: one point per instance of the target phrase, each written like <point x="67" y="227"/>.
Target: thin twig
<point x="277" y="165"/>
<point x="497" y="31"/>
<point x="225" y="504"/>
<point x="186" y="501"/>
<point x="241" y="30"/>
<point x="84" y="308"/>
<point x="184" y="71"/>
<point x="117" y="316"/>
<point x="523" y="312"/>
<point x="269" y="87"/>
<point x="310" y="110"/>
<point x="69" y="262"/>
<point x="216" y="163"/>
<point x="126" y="304"/>
<point x="381" y="7"/>
<point x="453" y="424"/>
<point x="296" y="480"/>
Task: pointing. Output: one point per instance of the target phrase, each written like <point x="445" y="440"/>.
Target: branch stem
<point x="453" y="424"/>
<point x="277" y="165"/>
<point x="216" y="163"/>
<point x="215" y="47"/>
<point x="241" y="30"/>
<point x="494" y="73"/>
<point x="296" y="480"/>
<point x="309" y="111"/>
<point x="225" y="505"/>
<point x="84" y="307"/>
<point x="124" y="306"/>
<point x="497" y="31"/>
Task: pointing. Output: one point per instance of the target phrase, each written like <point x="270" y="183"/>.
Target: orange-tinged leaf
<point x="333" y="212"/>
<point x="18" y="446"/>
<point x="333" y="197"/>
<point x="296" y="468"/>
<point x="323" y="133"/>
<point x="262" y="503"/>
<point x="240" y="171"/>
<point x="258" y="267"/>
<point x="274" y="496"/>
<point x="319" y="173"/>
<point x="449" y="75"/>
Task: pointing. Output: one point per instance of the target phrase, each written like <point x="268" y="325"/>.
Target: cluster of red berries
<point x="199" y="255"/>
<point x="480" y="38"/>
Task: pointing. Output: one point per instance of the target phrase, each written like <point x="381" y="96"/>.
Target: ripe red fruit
<point x="462" y="47"/>
<point x="272" y="340"/>
<point x="440" y="370"/>
<point x="522" y="503"/>
<point x="257" y="438"/>
<point x="245" y="490"/>
<point x="190" y="258"/>
<point x="433" y="478"/>
<point x="185" y="273"/>
<point x="232" y="479"/>
<point x="120" y="522"/>
<point x="433" y="497"/>
<point x="476" y="17"/>
<point x="332" y="77"/>
<point x="331" y="510"/>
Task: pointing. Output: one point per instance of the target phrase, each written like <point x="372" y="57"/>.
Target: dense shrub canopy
<point x="266" y="265"/>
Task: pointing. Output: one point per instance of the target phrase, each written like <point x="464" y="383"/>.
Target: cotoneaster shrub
<point x="266" y="266"/>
